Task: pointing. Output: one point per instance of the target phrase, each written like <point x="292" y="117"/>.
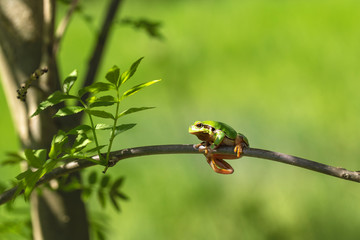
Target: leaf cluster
<point x="99" y="96"/>
<point x="106" y="189"/>
<point x="152" y="28"/>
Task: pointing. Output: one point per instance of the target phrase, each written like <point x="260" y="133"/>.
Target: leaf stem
<point x="93" y="130"/>
<point x="113" y="130"/>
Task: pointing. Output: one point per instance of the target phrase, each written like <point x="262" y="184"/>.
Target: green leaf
<point x="36" y="158"/>
<point x="101" y="198"/>
<point x="152" y="28"/>
<point x="117" y="184"/>
<point x="29" y="178"/>
<point x="81" y="142"/>
<point x="122" y="196"/>
<point x="66" y="111"/>
<point x="101" y="104"/>
<point x="103" y="126"/>
<point x="101" y="114"/>
<point x="114" y="202"/>
<point x="23" y="174"/>
<point x="129" y="73"/>
<point x="113" y="75"/>
<point x="30" y="182"/>
<point x="79" y="129"/>
<point x="123" y="127"/>
<point x="12" y="158"/>
<point x="137" y="88"/>
<point x="71" y="185"/>
<point x="115" y="193"/>
<point x="69" y="81"/>
<point x="52" y="100"/>
<point x="57" y="143"/>
<point x="48" y="166"/>
<point x="133" y="110"/>
<point x="106" y="98"/>
<point x="86" y="193"/>
<point x="105" y="181"/>
<point x="92" y="178"/>
<point x="95" y="149"/>
<point x="95" y="88"/>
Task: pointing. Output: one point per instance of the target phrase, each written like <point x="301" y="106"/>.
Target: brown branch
<point x="94" y="62"/>
<point x="117" y="156"/>
<point x="60" y="31"/>
<point x="304" y="163"/>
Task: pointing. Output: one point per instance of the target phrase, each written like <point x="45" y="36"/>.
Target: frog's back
<point x="229" y="131"/>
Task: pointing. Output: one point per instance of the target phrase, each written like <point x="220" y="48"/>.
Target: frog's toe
<point x="238" y="150"/>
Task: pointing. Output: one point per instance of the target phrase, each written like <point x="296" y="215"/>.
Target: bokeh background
<point x="284" y="73"/>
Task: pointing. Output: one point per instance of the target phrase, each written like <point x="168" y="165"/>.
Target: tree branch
<point x="60" y="31"/>
<point x="94" y="62"/>
<point x="117" y="156"/>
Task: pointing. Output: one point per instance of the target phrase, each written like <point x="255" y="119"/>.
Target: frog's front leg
<point x="219" y="165"/>
<point x="205" y="149"/>
<point x="240" y="143"/>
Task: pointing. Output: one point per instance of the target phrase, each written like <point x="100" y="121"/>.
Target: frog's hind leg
<point x="219" y="165"/>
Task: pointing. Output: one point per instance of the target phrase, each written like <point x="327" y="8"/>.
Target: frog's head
<point x="203" y="131"/>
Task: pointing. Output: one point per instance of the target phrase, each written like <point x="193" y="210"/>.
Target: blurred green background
<point x="285" y="73"/>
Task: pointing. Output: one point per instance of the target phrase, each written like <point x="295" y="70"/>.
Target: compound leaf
<point x="70" y="110"/>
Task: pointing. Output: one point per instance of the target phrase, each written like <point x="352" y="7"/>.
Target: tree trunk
<point x="26" y="43"/>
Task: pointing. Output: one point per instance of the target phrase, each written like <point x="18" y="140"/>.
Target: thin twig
<point x="117" y="156"/>
<point x="60" y="31"/>
<point x="303" y="163"/>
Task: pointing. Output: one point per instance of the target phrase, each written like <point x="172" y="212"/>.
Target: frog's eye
<point x="212" y="129"/>
<point x="199" y="125"/>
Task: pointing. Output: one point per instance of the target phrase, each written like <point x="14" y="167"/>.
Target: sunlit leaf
<point x="29" y="178"/>
<point x="133" y="110"/>
<point x="106" y="98"/>
<point x="137" y="88"/>
<point x="66" y="111"/>
<point x="57" y="144"/>
<point x="129" y="73"/>
<point x="69" y="81"/>
<point x="53" y="99"/>
<point x="103" y="126"/>
<point x="95" y="88"/>
<point x="81" y="142"/>
<point x="30" y="182"/>
<point x="102" y="101"/>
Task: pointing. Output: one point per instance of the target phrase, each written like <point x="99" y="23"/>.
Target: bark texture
<point x="26" y="43"/>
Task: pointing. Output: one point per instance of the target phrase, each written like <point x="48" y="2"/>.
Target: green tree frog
<point x="215" y="134"/>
